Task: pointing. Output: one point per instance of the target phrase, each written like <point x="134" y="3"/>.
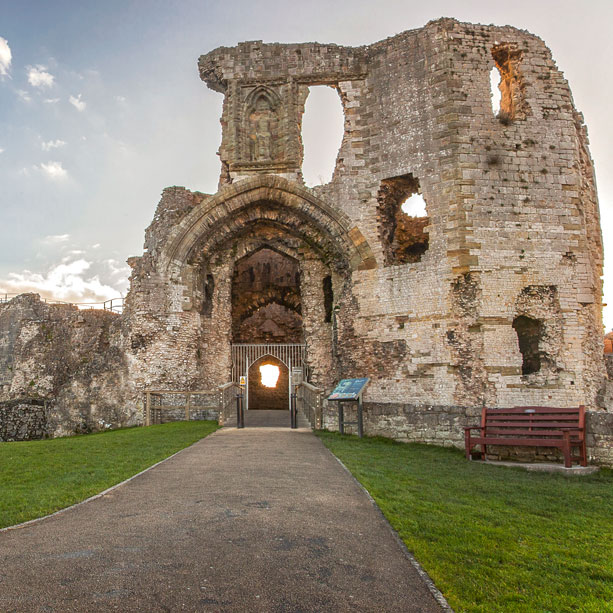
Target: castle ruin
<point x="493" y="298"/>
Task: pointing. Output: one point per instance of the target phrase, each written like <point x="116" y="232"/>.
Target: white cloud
<point x="96" y="246"/>
<point x="2" y="149"/>
<point x="120" y="99"/>
<point x="56" y="238"/>
<point x="5" y="57"/>
<point x="51" y="100"/>
<point x="77" y="102"/>
<point x="23" y="95"/>
<point x="39" y="77"/>
<point x="68" y="282"/>
<point x="54" y="170"/>
<point x="52" y="144"/>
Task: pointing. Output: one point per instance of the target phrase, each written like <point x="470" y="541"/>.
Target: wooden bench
<point x="531" y="427"/>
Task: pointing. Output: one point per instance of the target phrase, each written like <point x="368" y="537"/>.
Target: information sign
<point x="348" y="389"/>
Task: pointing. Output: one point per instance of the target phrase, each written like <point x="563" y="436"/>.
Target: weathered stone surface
<point x="75" y="360"/>
<point x="23" y="419"/>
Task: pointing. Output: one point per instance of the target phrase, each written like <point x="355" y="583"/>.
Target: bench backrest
<point x="533" y="421"/>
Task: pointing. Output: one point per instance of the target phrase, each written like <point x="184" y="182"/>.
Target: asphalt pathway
<point x="260" y="519"/>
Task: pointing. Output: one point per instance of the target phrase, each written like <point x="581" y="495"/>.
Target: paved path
<point x="260" y="519"/>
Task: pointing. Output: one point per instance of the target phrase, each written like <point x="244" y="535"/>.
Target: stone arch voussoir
<point x="294" y="200"/>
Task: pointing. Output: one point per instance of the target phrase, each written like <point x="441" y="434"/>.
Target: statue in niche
<point x="261" y="120"/>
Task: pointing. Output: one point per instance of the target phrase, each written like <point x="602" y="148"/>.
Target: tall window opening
<point x="328" y="298"/>
<point x="403" y="220"/>
<point x="495" y="79"/>
<point x="529" y="334"/>
<point x="512" y="105"/>
<point x="209" y="289"/>
<point x="323" y="125"/>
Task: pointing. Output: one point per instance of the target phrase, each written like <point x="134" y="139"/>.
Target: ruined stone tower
<point x="492" y="298"/>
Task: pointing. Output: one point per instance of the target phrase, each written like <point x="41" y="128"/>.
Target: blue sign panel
<point x="348" y="389"/>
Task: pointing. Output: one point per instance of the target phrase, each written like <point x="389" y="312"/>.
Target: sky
<point x="101" y="107"/>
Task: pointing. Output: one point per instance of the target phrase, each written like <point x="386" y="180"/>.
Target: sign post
<point x="349" y="390"/>
<point x="240" y="416"/>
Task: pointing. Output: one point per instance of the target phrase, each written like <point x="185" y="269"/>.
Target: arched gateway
<point x="251" y="272"/>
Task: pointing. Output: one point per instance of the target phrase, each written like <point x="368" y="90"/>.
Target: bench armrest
<point x="472" y="428"/>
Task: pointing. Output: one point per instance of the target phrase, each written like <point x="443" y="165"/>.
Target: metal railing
<point x="115" y="305"/>
<point x="227" y="403"/>
<point x="311" y="404"/>
<point x="169" y="405"/>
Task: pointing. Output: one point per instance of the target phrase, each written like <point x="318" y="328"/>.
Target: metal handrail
<point x="311" y="399"/>
<point x="115" y="305"/>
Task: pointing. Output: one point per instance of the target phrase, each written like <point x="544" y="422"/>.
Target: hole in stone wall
<point x="415" y="206"/>
<point x="323" y="125"/>
<point x="507" y="60"/>
<point x="328" y="298"/>
<point x="529" y="334"/>
<point x="402" y="220"/>
<point x="495" y="78"/>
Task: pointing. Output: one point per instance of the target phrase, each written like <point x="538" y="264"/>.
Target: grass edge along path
<point x="38" y="478"/>
<point x="493" y="539"/>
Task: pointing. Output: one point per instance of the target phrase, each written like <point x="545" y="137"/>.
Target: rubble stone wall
<point x="75" y="360"/>
<point x="23" y="420"/>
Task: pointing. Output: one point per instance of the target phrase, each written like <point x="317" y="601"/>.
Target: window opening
<point x="328" y="298"/>
<point x="323" y="126"/>
<point x="529" y="334"/>
<point x="495" y="80"/>
<point x="209" y="288"/>
<point x="511" y="86"/>
<point x="403" y="220"/>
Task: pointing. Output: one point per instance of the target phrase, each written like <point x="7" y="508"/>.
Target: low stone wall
<point x="23" y="420"/>
<point x="599" y="437"/>
<point x="444" y="426"/>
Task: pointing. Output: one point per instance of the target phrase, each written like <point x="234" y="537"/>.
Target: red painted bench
<point x="531" y="427"/>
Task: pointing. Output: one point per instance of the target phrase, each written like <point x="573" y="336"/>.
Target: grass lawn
<point x="492" y="538"/>
<point x="40" y="477"/>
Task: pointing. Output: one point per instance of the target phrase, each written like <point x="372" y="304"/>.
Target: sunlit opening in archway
<point x="269" y="374"/>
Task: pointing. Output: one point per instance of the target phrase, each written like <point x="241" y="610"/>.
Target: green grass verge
<point x="40" y="477"/>
<point x="493" y="539"/>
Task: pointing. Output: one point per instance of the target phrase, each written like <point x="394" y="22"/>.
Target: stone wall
<point x="23" y="419"/>
<point x="444" y="426"/>
<point x="73" y="359"/>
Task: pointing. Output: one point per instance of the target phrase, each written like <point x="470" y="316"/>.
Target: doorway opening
<point x="267" y="392"/>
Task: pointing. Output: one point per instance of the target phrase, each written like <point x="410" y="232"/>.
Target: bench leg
<point x="467" y="444"/>
<point x="583" y="453"/>
<point x="566" y="449"/>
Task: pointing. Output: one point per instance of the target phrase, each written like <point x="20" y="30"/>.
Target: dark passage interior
<point x="266" y="305"/>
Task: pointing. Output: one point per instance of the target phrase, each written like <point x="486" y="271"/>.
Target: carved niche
<point x="262" y="126"/>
